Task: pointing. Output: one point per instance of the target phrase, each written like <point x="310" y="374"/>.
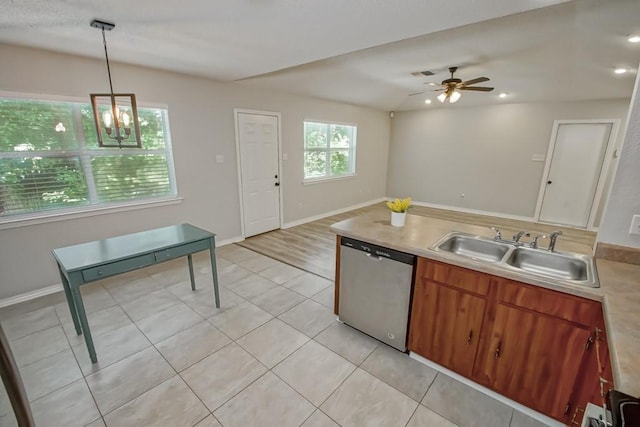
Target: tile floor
<point x="272" y="355"/>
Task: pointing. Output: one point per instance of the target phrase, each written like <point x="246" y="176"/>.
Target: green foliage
<point x="327" y="141"/>
<point x="40" y="152"/>
<point x="125" y="177"/>
<point x="33" y="184"/>
<point x="30" y="125"/>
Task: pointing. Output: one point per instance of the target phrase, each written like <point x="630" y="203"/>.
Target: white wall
<point x="202" y="126"/>
<point x="482" y="152"/>
<point x="624" y="200"/>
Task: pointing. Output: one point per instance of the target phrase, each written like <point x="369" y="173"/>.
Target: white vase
<point x="398" y="218"/>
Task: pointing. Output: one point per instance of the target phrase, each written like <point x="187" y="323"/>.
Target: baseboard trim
<point x="471" y="211"/>
<point x="511" y="403"/>
<point x="331" y="213"/>
<point x="229" y="241"/>
<point x="27" y="296"/>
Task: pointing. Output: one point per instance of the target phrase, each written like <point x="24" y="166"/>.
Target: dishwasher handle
<point x="378" y="252"/>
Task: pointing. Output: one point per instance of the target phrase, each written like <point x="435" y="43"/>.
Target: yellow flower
<point x="400" y="205"/>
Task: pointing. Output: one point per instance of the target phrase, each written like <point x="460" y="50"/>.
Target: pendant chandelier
<point x="115" y="114"/>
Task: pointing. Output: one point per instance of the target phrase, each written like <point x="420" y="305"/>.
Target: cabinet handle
<point x="566" y="408"/>
<point x="498" y="350"/>
<point x="587" y="346"/>
<point x="469" y="337"/>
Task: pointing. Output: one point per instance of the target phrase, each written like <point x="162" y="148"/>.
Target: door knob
<point x="277" y="184"/>
<point x="276" y="176"/>
<point x="549" y="182"/>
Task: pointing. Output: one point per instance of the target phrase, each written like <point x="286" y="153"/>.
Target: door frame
<point x="604" y="170"/>
<point x="278" y="115"/>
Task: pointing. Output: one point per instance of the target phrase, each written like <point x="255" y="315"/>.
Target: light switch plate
<point x="285" y="156"/>
<point x="635" y="225"/>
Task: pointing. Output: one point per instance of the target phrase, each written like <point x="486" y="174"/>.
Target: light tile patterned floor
<point x="272" y="355"/>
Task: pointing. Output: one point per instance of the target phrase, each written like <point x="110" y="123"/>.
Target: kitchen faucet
<point x="498" y="234"/>
<point x="516" y="237"/>
<point x="552" y="240"/>
<point x="533" y="244"/>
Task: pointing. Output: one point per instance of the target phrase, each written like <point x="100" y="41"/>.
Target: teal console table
<point x="87" y="262"/>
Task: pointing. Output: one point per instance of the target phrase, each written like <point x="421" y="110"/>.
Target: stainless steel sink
<point x="562" y="266"/>
<point x="473" y="247"/>
<point x="553" y="264"/>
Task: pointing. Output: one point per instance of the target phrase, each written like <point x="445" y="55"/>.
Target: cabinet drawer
<point x="178" y="251"/>
<point x="458" y="277"/>
<point x="117" y="267"/>
<point x="557" y="304"/>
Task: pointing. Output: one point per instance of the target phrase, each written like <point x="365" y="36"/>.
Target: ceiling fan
<point x="451" y="87"/>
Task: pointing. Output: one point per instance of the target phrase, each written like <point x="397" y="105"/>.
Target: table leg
<point x="72" y="305"/>
<point x="193" y="281"/>
<point x="214" y="270"/>
<point x="77" y="298"/>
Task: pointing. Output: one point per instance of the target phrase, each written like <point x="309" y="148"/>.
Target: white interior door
<point x="574" y="172"/>
<point x="258" y="136"/>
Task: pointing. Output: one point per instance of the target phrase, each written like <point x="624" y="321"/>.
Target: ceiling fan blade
<point x="416" y="93"/>
<point x="433" y="84"/>
<point x="477" y="88"/>
<point x="474" y="81"/>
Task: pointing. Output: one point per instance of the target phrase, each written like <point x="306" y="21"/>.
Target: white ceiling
<point x="357" y="51"/>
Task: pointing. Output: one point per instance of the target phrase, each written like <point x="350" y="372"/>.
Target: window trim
<point x="352" y="149"/>
<point x="73" y="213"/>
<point x="63" y="214"/>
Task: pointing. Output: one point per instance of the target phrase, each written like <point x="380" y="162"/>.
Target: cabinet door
<point x="533" y="359"/>
<point x="595" y="375"/>
<point x="445" y="325"/>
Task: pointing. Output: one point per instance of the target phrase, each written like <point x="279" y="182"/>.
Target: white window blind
<point x="50" y="160"/>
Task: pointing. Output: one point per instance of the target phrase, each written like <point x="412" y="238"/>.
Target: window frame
<point x="328" y="149"/>
<point x="84" y="155"/>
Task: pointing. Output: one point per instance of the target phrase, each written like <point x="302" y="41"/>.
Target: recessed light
<point x="503" y="95"/>
<point x="427" y="101"/>
<point x="620" y="70"/>
<point x="634" y="39"/>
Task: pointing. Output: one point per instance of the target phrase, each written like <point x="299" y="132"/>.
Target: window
<point x="50" y="160"/>
<point x="329" y="150"/>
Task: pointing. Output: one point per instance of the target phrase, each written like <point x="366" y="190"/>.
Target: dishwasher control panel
<point x="379" y="251"/>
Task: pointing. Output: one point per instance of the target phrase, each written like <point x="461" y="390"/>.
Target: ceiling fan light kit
<point x="452" y="86"/>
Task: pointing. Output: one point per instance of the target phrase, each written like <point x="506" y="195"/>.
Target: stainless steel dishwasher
<point x="375" y="290"/>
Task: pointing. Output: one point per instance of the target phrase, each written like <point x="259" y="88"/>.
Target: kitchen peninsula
<point x="497" y="287"/>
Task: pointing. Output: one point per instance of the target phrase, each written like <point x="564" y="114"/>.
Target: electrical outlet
<point x="219" y="158"/>
<point x="635" y="225"/>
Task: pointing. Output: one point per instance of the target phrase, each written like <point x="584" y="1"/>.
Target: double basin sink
<point x="568" y="267"/>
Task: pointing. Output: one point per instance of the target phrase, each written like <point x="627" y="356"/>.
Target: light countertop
<point x="619" y="288"/>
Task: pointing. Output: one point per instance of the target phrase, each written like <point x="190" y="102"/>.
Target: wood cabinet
<point x="445" y="326"/>
<point x="533" y="345"/>
<point x="532" y="358"/>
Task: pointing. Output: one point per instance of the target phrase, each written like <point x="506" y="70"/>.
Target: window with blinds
<point x="50" y="160"/>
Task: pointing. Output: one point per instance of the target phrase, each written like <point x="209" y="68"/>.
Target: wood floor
<point x="311" y="246"/>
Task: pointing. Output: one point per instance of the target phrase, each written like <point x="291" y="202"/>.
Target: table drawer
<point x="178" y="251"/>
<point x="117" y="267"/>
